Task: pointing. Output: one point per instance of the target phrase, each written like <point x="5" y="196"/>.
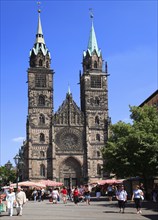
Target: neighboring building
<point x="66" y="145"/>
<point x="152" y="100"/>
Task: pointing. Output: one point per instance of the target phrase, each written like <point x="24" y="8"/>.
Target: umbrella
<point x="29" y="184"/>
<point x="51" y="183"/>
<point x="109" y="181"/>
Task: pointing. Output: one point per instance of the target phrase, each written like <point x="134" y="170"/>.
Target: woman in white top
<point x="136" y="197"/>
<point x="55" y="195"/>
<point x="10" y="198"/>
<point x="121" y="196"/>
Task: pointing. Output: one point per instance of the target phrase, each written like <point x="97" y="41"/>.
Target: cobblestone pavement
<point x="98" y="210"/>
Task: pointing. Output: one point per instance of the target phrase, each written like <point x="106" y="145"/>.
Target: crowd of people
<point x="76" y="195"/>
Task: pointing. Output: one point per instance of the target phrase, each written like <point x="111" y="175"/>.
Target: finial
<point x="39" y="10"/>
<point x="91" y="13"/>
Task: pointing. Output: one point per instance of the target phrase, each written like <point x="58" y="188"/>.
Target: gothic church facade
<point x="65" y="145"/>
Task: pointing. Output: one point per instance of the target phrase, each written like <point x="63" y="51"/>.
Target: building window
<point x="98" y="169"/>
<point x="98" y="137"/>
<point x="47" y="64"/>
<point x="98" y="153"/>
<point x="42" y="170"/>
<point x="95" y="64"/>
<point x="40" y="80"/>
<point x="42" y="154"/>
<point x="97" y="101"/>
<point x="95" y="81"/>
<point x="42" y="137"/>
<point x="41" y="100"/>
<point x="40" y="63"/>
<point x="41" y="119"/>
<point x="97" y="120"/>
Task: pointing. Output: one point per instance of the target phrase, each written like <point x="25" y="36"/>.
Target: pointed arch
<point x="40" y="62"/>
<point x="41" y="100"/>
<point x="41" y="119"/>
<point x="98" y="169"/>
<point x="97" y="120"/>
<point x="98" y="137"/>
<point x="95" y="64"/>
<point x="42" y="137"/>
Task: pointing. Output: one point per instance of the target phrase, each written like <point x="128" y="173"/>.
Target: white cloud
<point x="18" y="139"/>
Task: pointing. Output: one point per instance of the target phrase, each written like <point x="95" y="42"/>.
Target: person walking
<point x="87" y="194"/>
<point x="64" y="194"/>
<point x="136" y="197"/>
<point x="76" y="196"/>
<point x="55" y="195"/>
<point x="34" y="194"/>
<point x="20" y="200"/>
<point x="10" y="198"/>
<point x="121" y="196"/>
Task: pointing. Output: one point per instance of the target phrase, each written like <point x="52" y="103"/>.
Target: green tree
<point x="7" y="176"/>
<point x="132" y="149"/>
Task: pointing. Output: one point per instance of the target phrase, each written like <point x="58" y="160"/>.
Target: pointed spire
<point x="69" y="91"/>
<point x="39" y="43"/>
<point x="39" y="35"/>
<point x="92" y="43"/>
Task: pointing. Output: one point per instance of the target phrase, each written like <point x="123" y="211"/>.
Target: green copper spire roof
<point x="92" y="43"/>
<point x="39" y="43"/>
<point x="39" y="35"/>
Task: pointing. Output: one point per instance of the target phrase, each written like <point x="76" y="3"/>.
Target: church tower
<point x="40" y="106"/>
<point x="94" y="105"/>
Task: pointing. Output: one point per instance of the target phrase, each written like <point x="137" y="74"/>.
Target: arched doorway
<point x="70" y="172"/>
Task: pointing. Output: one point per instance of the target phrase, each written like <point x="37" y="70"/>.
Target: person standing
<point x="34" y="194"/>
<point x="121" y="196"/>
<point x="110" y="192"/>
<point x="98" y="191"/>
<point x="20" y="200"/>
<point x="136" y="197"/>
<point x="10" y="198"/>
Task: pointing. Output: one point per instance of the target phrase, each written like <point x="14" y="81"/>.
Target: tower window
<point x="98" y="137"/>
<point x="40" y="63"/>
<point x="97" y="101"/>
<point x="42" y="154"/>
<point x="98" y="169"/>
<point x="97" y="120"/>
<point x="42" y="119"/>
<point x="41" y="100"/>
<point x="42" y="137"/>
<point x="47" y="64"/>
<point x="95" y="64"/>
<point x="95" y="81"/>
<point x="98" y="153"/>
<point x="42" y="170"/>
<point x="40" y="80"/>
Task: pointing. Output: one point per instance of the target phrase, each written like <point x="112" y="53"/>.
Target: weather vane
<point x="91" y="13"/>
<point x="39" y="10"/>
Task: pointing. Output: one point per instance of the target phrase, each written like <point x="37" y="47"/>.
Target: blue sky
<point x="126" y="32"/>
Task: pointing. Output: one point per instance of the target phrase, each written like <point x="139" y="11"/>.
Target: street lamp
<point x="16" y="160"/>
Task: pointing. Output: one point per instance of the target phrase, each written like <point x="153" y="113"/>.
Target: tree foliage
<point x="7" y="176"/>
<point x="132" y="149"/>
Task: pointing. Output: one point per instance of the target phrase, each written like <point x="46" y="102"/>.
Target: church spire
<point x="92" y="43"/>
<point x="39" y="42"/>
<point x="39" y="35"/>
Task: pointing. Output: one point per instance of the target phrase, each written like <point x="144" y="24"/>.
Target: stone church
<point x="65" y="145"/>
